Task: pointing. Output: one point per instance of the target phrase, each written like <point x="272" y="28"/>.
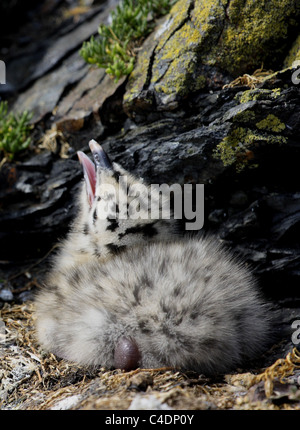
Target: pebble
<point x="6" y="295"/>
<point x="2" y="327"/>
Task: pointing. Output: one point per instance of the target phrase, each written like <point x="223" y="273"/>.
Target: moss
<point x="255" y="33"/>
<point x="271" y="123"/>
<point x="258" y="94"/>
<point x="293" y="56"/>
<point x="244" y="116"/>
<point x="200" y="82"/>
<point x="238" y="147"/>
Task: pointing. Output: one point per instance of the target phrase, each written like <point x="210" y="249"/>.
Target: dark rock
<point x="286" y="220"/>
<point x="49" y="52"/>
<point x="41" y="162"/>
<point x="282" y="392"/>
<point x="217" y="216"/>
<point x="244" y="224"/>
<point x="25" y="296"/>
<point x="39" y="100"/>
<point x="14" y="13"/>
<point x="238" y="199"/>
<point x="38" y="204"/>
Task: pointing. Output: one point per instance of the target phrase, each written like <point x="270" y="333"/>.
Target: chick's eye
<point x="95" y="215"/>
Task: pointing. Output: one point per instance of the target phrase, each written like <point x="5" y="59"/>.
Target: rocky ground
<point x="166" y="134"/>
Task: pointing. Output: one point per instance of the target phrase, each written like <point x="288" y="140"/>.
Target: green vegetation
<point x="14" y="131"/>
<point x="115" y="48"/>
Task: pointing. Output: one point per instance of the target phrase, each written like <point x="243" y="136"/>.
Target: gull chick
<point x="127" y="293"/>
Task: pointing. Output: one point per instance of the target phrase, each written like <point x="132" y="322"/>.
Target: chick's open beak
<point x="89" y="170"/>
<point x="100" y="157"/>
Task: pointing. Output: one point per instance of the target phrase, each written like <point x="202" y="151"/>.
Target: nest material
<point x="251" y="81"/>
<point x="32" y="379"/>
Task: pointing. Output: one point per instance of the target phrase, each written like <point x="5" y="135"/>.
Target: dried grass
<point x="251" y="81"/>
<point x="32" y="379"/>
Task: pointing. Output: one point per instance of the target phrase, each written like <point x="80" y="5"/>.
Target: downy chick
<point x="129" y="293"/>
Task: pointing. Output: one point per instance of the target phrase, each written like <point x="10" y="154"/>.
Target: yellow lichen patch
<point x="236" y="37"/>
<point x="206" y="15"/>
<point x="232" y="149"/>
<point x="178" y="14"/>
<point x="184" y="40"/>
<point x="174" y="68"/>
<point x="244" y="116"/>
<point x="179" y="57"/>
<point x="178" y="78"/>
<point x="138" y="76"/>
<point x="271" y="123"/>
<point x="237" y="148"/>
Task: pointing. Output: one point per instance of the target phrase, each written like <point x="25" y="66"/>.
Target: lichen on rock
<point x="271" y="123"/>
<point x="199" y="39"/>
<point x="255" y="33"/>
<point x="238" y="147"/>
<point x="170" y="69"/>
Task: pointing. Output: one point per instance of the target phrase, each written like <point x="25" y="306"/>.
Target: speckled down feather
<point x="180" y="302"/>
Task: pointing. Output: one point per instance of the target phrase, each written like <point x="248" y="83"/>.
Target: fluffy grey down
<point x="180" y="302"/>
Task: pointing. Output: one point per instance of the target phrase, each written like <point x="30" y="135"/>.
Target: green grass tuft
<point x="115" y="48"/>
<point x="14" y="131"/>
